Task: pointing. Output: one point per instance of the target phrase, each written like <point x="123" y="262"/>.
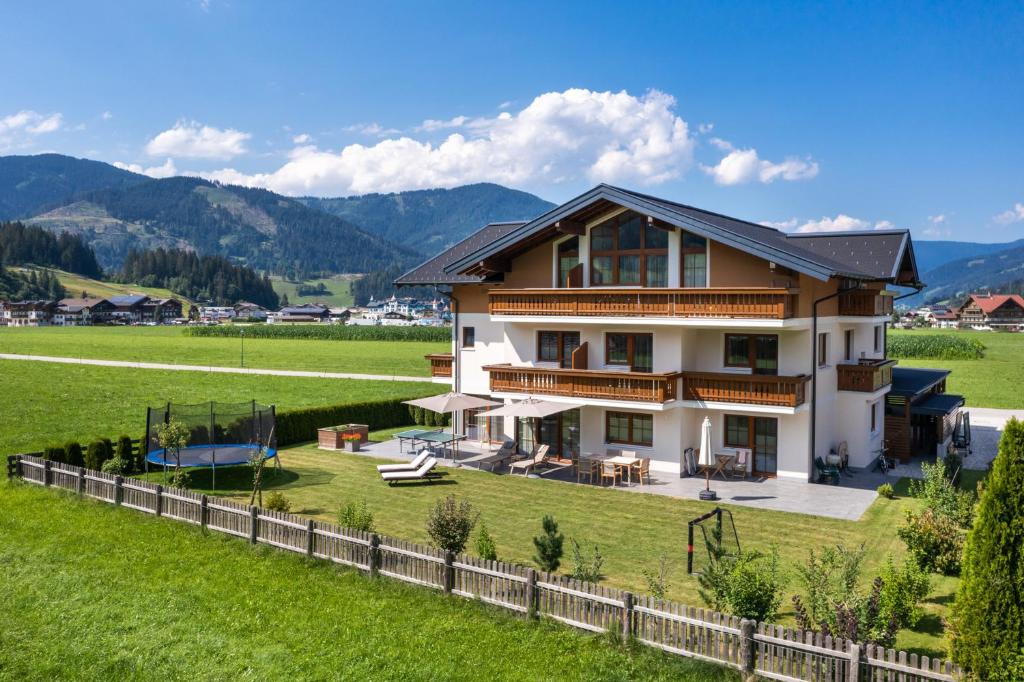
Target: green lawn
<point x="993" y="381"/>
<point x="93" y="592"/>
<point x="340" y="287"/>
<point x="171" y="345"/>
<point x="632" y="530"/>
<point x="42" y="403"/>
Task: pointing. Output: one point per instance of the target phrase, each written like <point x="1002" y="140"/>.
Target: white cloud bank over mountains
<point x="166" y="170"/>
<point x="19" y="130"/>
<point x="841" y="223"/>
<point x="191" y="140"/>
<point x="1010" y="216"/>
<point x="744" y="165"/>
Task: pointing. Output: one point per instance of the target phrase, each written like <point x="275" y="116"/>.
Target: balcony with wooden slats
<point x="639" y="387"/>
<point x="866" y="376"/>
<point x="745" y="389"/>
<point x="440" y="364"/>
<point x="865" y="304"/>
<point x="733" y="303"/>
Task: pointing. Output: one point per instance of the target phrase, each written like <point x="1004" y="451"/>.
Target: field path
<point x="204" y="368"/>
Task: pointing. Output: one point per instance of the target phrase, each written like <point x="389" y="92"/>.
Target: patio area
<point x="847" y="501"/>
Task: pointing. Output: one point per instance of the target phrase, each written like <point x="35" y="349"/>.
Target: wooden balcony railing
<point x="770" y="303"/>
<point x="747" y="389"/>
<point x="440" y="364"/>
<point x="866" y="376"/>
<point x="865" y="303"/>
<point x="575" y="383"/>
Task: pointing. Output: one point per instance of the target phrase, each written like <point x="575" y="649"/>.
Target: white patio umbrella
<point x="706" y="458"/>
<point x="451" y="402"/>
<point x="531" y="408"/>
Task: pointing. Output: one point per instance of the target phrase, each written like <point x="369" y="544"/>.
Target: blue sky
<point x="808" y="117"/>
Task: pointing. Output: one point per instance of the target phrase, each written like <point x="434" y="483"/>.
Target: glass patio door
<point x="560" y="432"/>
<point x="766" y="441"/>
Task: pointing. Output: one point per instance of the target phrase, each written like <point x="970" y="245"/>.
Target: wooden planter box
<point x="329" y="437"/>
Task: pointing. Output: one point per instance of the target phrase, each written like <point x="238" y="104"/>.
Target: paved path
<point x="202" y="368"/>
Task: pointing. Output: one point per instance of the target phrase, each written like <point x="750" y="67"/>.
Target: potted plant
<point x="351" y="441"/>
<point x="329" y="437"/>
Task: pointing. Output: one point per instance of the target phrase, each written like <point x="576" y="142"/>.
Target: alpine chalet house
<point x="653" y="315"/>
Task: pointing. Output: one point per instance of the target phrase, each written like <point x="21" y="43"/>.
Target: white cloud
<point x="505" y="105"/>
<point x="559" y="137"/>
<point x="19" y="130"/>
<point x="705" y="128"/>
<point x="744" y="165"/>
<point x="106" y="116"/>
<point x="841" y="223"/>
<point x="193" y="140"/>
<point x="430" y="125"/>
<point x="937" y="219"/>
<point x="1013" y="215"/>
<point x="165" y="170"/>
<point x="372" y="129"/>
<point x="304" y="138"/>
<point x="781" y="224"/>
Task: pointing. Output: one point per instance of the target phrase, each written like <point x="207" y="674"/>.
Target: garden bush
<point x="935" y="347"/>
<point x="325" y="332"/>
<point x="748" y="585"/>
<point x="485" y="547"/>
<point x="935" y="541"/>
<point x="988" y="612"/>
<point x="885" y="490"/>
<point x="548" y="545"/>
<point x="300" y="425"/>
<point x="586" y="565"/>
<point x="123" y="451"/>
<point x="115" y="465"/>
<point x="276" y="501"/>
<point x="181" y="478"/>
<point x="73" y="452"/>
<point x="55" y="453"/>
<point x="357" y="516"/>
<point x="657" y="580"/>
<point x="95" y="455"/>
<point x="449" y="524"/>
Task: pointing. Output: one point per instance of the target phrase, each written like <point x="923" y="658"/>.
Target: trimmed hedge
<point x="299" y="426"/>
<point x="73" y="450"/>
<point x="326" y="332"/>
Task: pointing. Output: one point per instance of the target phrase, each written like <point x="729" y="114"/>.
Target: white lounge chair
<point x="421" y="474"/>
<point x="406" y="466"/>
<point x="491" y="460"/>
<point x="527" y="464"/>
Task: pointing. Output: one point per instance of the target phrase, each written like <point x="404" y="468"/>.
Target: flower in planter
<point x="351" y="437"/>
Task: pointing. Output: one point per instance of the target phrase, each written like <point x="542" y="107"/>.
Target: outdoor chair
<point x="643" y="469"/>
<point x="610" y="471"/>
<point x="827" y="473"/>
<point x="527" y="464"/>
<point x="421" y="474"/>
<point x="492" y="460"/>
<point x="738" y="466"/>
<point x="406" y="466"/>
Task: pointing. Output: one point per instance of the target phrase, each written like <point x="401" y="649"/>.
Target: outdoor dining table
<point x="620" y="462"/>
<point x="721" y="460"/>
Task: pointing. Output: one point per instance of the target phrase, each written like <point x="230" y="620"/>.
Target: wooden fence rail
<point x="767" y="651"/>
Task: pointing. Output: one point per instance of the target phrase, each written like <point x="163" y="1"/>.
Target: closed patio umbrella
<point x="706" y="459"/>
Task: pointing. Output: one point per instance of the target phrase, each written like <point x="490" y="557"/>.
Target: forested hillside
<point x="200" y="278"/>
<point x="22" y="244"/>
<point x="30" y="185"/>
<point x="15" y="286"/>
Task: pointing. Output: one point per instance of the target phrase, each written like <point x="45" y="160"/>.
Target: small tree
<point x="74" y="454"/>
<point x="173" y="436"/>
<point x="258" y="461"/>
<point x="95" y="455"/>
<point x="586" y="565"/>
<point x="549" y="545"/>
<point x="450" y="523"/>
<point x="123" y="451"/>
<point x="988" y="612"/>
<point x="485" y="547"/>
<point x="55" y="453"/>
<point x="657" y="580"/>
<point x="357" y="516"/>
<point x="748" y="584"/>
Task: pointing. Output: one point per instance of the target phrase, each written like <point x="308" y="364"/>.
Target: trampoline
<point x="227" y="454"/>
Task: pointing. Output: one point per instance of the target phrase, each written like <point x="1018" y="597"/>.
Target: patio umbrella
<point x="451" y="402"/>
<point x="706" y="459"/>
<point x="531" y="408"/>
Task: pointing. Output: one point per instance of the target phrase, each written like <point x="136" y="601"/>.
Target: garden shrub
<point x="485" y="547"/>
<point x="276" y="501"/>
<point x="657" y="581"/>
<point x="95" y="455"/>
<point x="73" y="453"/>
<point x="586" y="565"/>
<point x="988" y="612"/>
<point x="449" y="524"/>
<point x="748" y="585"/>
<point x="903" y="588"/>
<point x="123" y="451"/>
<point x="885" y="490"/>
<point x="357" y="516"/>
<point x="300" y="425"/>
<point x="116" y="466"/>
<point x="935" y="347"/>
<point x="548" y="545"/>
<point x="55" y="453"/>
<point x="942" y="497"/>
<point x="951" y="464"/>
<point x="180" y="478"/>
<point x="935" y="541"/>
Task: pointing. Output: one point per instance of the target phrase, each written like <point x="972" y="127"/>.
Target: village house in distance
<point x="83" y="312"/>
<point x="645" y="316"/>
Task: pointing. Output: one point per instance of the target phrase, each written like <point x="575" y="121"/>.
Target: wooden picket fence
<point x="765" y="650"/>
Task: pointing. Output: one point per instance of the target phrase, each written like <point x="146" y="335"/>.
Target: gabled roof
<point x="879" y="253"/>
<point x="801" y="255"/>
<point x="433" y="271"/>
<point x="990" y="302"/>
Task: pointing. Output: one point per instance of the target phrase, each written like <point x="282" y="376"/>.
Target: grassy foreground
<point x="171" y="345"/>
<point x="992" y="381"/>
<point x="99" y="593"/>
<point x="632" y="530"/>
<point x="43" y="403"/>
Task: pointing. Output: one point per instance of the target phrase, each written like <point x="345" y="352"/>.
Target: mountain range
<point x="116" y="211"/>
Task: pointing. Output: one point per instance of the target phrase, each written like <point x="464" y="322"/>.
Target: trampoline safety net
<point x="226" y="432"/>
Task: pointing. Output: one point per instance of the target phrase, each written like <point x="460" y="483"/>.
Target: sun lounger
<point x="527" y="464"/>
<point x="421" y="474"/>
<point x="492" y="460"/>
<point x="406" y="466"/>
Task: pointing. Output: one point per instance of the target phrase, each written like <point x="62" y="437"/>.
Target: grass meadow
<point x="632" y="530"/>
<point x="43" y="403"/>
<point x="992" y="381"/>
<point x="99" y="593"/>
<point x="76" y="284"/>
<point x="171" y="345"/>
<point x="340" y="287"/>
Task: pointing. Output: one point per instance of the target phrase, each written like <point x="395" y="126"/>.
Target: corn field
<point x="935" y="347"/>
<point x="326" y="332"/>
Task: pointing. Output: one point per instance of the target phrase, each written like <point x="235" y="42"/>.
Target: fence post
<point x="853" y="674"/>
<point x="746" y="661"/>
<point x="374" y="555"/>
<point x="46" y="472"/>
<point x="309" y="538"/>
<point x="80" y="481"/>
<point x="449" y="572"/>
<point x="159" y="499"/>
<point x="118" y="490"/>
<point x="12" y="465"/>
<point x="531" y="593"/>
<point x="204" y="511"/>
<point x="254" y="523"/>
<point x="627" y="615"/>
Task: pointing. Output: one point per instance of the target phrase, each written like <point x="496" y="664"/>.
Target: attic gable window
<point x="626" y="251"/>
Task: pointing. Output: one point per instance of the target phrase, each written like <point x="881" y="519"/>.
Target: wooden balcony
<point x="752" y="303"/>
<point x="746" y="389"/>
<point x="440" y="364"/>
<point x="866" y="376"/>
<point x="865" y="304"/>
<point x="641" y="387"/>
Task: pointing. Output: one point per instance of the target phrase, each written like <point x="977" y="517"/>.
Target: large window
<point x="737" y="431"/>
<point x="557" y="347"/>
<point x="635" y="351"/>
<point x="758" y="434"/>
<point x="468" y="337"/>
<point x="759" y="352"/>
<point x="568" y="259"/>
<point x="629" y="428"/>
<point x="695" y="260"/>
<point x="628" y="251"/>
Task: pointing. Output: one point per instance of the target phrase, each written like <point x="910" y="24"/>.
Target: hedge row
<point x="325" y="332"/>
<point x="95" y="453"/>
<point x="300" y="425"/>
<point x="935" y="347"/>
